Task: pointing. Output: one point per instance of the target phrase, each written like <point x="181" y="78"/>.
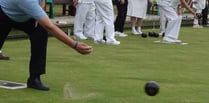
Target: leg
<point x="105" y="11"/>
<point x="99" y="29"/>
<point x="162" y="23"/>
<point x="89" y="25"/>
<point x="38" y="39"/>
<point x="121" y="17"/>
<point x="133" y="26"/>
<point x="5" y="29"/>
<point x="196" y="20"/>
<point x="205" y="16"/>
<point x="174" y="23"/>
<point x="139" y="25"/>
<point x="80" y="18"/>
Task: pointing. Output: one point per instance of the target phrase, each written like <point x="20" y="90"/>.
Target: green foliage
<point x="114" y="74"/>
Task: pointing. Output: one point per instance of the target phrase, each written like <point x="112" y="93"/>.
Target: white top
<point x="137" y="8"/>
<point x="85" y="1"/>
<point x="172" y="3"/>
<point x="199" y="4"/>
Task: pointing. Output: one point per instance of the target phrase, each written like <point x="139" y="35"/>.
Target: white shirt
<point x="85" y="1"/>
<point x="172" y="3"/>
<point x="199" y="4"/>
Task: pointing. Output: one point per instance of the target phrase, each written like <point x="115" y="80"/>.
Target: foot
<point x="99" y="41"/>
<point x="171" y="40"/>
<point x="134" y="32"/>
<point x="120" y="34"/>
<point x="37" y="84"/>
<point x="3" y="57"/>
<point x="115" y="42"/>
<point x="80" y="37"/>
<point x="162" y="33"/>
<point x="139" y="32"/>
<point x="90" y="37"/>
<point x="197" y="26"/>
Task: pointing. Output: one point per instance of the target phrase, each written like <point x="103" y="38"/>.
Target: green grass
<point x="114" y="74"/>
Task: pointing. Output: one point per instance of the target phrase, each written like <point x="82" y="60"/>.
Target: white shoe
<point x="140" y="32"/>
<point x="171" y="40"/>
<point x="115" y="42"/>
<point x="99" y="41"/>
<point x="161" y="33"/>
<point x="197" y="26"/>
<point x="119" y="34"/>
<point x="90" y="37"/>
<point x="134" y="32"/>
<point x="81" y="37"/>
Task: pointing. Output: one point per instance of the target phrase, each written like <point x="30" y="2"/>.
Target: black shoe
<point x="3" y="57"/>
<point x="37" y="84"/>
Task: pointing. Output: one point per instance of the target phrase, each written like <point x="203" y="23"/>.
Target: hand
<point x="83" y="48"/>
<point x="195" y="16"/>
<point x="75" y="2"/>
<point x="122" y="2"/>
<point x="198" y="15"/>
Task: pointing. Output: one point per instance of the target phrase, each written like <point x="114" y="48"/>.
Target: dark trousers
<point x="205" y="15"/>
<point x="38" y="39"/>
<point x="121" y="16"/>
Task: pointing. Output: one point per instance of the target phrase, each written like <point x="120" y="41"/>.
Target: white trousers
<point x="163" y="22"/>
<point x="196" y="22"/>
<point x="104" y="20"/>
<point x="84" y="23"/>
<point x="174" y="21"/>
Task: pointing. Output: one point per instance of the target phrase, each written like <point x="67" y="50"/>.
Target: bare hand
<point x="195" y="15"/>
<point x="83" y="48"/>
<point x="75" y="2"/>
<point x="122" y="1"/>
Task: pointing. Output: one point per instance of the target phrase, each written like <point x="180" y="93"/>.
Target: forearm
<point x="62" y="36"/>
<point x="56" y="32"/>
<point x="183" y="3"/>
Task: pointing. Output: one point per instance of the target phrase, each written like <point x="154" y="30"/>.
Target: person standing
<point x="172" y="11"/>
<point x="105" y="22"/>
<point x="23" y="15"/>
<point x="84" y="24"/>
<point x="198" y="5"/>
<point x="205" y="15"/>
<point x="137" y="10"/>
<point x="121" y="17"/>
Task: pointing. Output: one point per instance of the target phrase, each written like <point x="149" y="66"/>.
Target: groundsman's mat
<point x="178" y="43"/>
<point x="11" y="85"/>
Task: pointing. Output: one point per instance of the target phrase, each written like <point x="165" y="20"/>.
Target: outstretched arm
<point x="183" y="3"/>
<point x="59" y="34"/>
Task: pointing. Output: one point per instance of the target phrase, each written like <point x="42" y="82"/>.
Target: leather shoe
<point x="3" y="57"/>
<point x="36" y="84"/>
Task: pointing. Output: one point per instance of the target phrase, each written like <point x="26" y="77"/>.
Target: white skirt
<point x="137" y="8"/>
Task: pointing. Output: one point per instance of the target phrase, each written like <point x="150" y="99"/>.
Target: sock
<point x="195" y="22"/>
<point x="133" y="28"/>
<point x="139" y="30"/>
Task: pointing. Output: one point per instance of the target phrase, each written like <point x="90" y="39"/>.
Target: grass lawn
<point x="114" y="74"/>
